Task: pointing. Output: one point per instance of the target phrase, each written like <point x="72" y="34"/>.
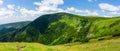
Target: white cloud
<point x="49" y="6"/>
<point x="16" y="13"/>
<point x="93" y="13"/>
<point x="13" y="13"/>
<point x="44" y="7"/>
<point x="5" y="12"/>
<point x="81" y="12"/>
<point x="6" y="15"/>
<point x="10" y="6"/>
<point x="1" y="2"/>
<point x="26" y="12"/>
<point x="49" y="2"/>
<point x="4" y="20"/>
<point x="72" y="9"/>
<point x="107" y="15"/>
<point x="109" y="10"/>
<point x="108" y="7"/>
<point x="21" y="13"/>
<point x="114" y="13"/>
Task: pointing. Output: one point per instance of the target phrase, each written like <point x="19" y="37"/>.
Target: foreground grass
<point x="106" y="45"/>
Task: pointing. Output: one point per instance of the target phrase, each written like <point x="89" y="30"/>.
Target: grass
<point x="105" y="45"/>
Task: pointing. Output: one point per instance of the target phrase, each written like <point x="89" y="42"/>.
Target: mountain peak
<point x="60" y="28"/>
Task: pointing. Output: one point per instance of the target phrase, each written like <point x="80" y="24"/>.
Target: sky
<point x="29" y="10"/>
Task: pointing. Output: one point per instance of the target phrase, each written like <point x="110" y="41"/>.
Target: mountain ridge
<point x="61" y="28"/>
<point x="7" y="29"/>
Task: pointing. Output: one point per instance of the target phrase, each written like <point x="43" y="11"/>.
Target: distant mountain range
<point x="61" y="28"/>
<point x="16" y="24"/>
<point x="6" y="29"/>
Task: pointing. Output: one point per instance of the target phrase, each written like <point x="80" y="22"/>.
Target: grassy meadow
<point x="105" y="45"/>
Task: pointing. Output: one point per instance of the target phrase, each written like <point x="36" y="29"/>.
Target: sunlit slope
<point x="62" y="28"/>
<point x="105" y="45"/>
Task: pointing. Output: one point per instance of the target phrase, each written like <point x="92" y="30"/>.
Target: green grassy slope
<point x="61" y="28"/>
<point x="105" y="45"/>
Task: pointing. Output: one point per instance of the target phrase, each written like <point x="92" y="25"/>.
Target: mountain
<point x="61" y="28"/>
<point x="16" y="24"/>
<point x="6" y="29"/>
<point x="12" y="26"/>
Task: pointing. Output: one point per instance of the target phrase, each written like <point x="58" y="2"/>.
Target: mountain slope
<point x="63" y="28"/>
<point x="105" y="45"/>
<point x="16" y="24"/>
<point x="7" y="29"/>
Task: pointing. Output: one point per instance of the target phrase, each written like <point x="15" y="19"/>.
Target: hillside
<point x="61" y="28"/>
<point x="16" y="24"/>
<point x="7" y="29"/>
<point x="106" y="45"/>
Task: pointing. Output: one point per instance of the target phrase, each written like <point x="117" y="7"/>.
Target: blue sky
<point x="28" y="10"/>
